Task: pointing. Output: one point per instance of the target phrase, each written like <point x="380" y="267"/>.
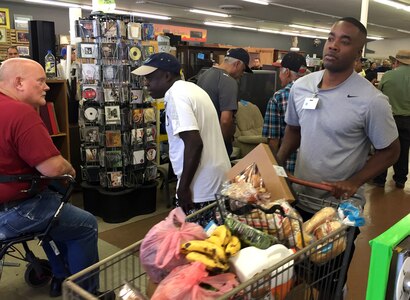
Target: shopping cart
<point x="300" y="276"/>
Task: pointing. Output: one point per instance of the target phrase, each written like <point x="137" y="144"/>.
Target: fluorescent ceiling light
<point x="218" y="24"/>
<point x="229" y="25"/>
<point x="210" y="13"/>
<point x="140" y="14"/>
<point x="86" y="7"/>
<point x="62" y="4"/>
<point x="394" y="4"/>
<point x="244" y="27"/>
<point x="292" y="34"/>
<point x="309" y="28"/>
<point x="258" y="2"/>
<point x="377" y="38"/>
<point x="404" y="31"/>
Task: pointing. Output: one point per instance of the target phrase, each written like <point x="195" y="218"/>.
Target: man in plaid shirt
<point x="292" y="66"/>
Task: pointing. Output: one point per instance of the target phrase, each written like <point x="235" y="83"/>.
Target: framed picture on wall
<point x="21" y="22"/>
<point x="23" y="50"/>
<point x="3" y="35"/>
<point x="4" y="18"/>
<point x="22" y="37"/>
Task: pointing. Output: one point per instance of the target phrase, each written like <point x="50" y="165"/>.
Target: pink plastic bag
<point x="183" y="284"/>
<point x="159" y="252"/>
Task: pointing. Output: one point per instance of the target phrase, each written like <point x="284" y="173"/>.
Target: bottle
<point x="250" y="261"/>
<point x="308" y="60"/>
<point x="50" y="65"/>
<point x="250" y="235"/>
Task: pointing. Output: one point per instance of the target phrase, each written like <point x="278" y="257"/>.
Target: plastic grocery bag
<point x="159" y="252"/>
<point x="192" y="282"/>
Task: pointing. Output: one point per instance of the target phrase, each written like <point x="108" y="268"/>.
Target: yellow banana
<point x="223" y="233"/>
<point x="204" y="247"/>
<point x="228" y="237"/>
<point x="233" y="246"/>
<point x="211" y="264"/>
<point x="215" y="240"/>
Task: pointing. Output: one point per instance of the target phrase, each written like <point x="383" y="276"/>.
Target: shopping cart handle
<point x="315" y="185"/>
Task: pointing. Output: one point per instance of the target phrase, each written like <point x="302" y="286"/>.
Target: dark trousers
<point x="401" y="167"/>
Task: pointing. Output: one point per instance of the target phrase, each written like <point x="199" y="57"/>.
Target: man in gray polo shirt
<point x="220" y="82"/>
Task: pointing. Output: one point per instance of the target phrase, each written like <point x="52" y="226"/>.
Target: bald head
<point x="14" y="67"/>
<point x="24" y="80"/>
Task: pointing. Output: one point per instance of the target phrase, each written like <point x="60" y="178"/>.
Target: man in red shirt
<point x="27" y="148"/>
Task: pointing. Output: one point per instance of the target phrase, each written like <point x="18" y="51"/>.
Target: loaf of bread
<point x="323" y="215"/>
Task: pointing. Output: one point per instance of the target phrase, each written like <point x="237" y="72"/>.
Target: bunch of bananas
<point x="214" y="251"/>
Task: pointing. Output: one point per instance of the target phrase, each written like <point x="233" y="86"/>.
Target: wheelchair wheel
<point x="34" y="279"/>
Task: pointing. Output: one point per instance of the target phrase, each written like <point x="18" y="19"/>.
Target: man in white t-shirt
<point x="196" y="146"/>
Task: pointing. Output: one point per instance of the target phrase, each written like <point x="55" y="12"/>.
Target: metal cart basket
<point x="302" y="275"/>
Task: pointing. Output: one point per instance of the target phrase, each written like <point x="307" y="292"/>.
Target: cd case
<point x="87" y="29"/>
<point x="87" y="50"/>
<point x="90" y="73"/>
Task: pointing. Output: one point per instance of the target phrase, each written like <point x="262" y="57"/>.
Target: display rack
<point x="117" y="125"/>
<point x="117" y="119"/>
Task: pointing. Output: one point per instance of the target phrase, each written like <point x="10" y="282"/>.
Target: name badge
<point x="310" y="103"/>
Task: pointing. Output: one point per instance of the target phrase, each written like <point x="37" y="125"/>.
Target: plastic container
<point x="251" y="261"/>
<point x="50" y="65"/>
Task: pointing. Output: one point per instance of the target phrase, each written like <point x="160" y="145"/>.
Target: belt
<point x="10" y="204"/>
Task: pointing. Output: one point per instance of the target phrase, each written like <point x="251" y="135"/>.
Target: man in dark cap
<point x="220" y="82"/>
<point x="196" y="148"/>
<point x="292" y="66"/>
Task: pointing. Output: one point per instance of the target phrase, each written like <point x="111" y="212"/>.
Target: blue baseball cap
<point x="163" y="61"/>
<point x="63" y="52"/>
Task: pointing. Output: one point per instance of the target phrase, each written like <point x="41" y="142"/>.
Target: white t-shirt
<point x="188" y="107"/>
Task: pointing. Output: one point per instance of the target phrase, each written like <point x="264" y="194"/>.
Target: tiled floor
<point x="383" y="209"/>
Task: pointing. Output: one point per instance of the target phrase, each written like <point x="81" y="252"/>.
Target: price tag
<point x="280" y="171"/>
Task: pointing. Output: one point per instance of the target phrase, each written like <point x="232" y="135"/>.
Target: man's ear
<point x="18" y="83"/>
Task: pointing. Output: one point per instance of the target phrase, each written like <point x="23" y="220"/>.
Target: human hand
<point x="343" y="189"/>
<point x="185" y="199"/>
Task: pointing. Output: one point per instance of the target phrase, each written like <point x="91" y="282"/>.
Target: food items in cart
<point x="249" y="235"/>
<point x="271" y="221"/>
<point x="250" y="261"/>
<point x="160" y="249"/>
<point x="320" y="217"/>
<point x="211" y="263"/>
<point x="192" y="282"/>
<point x="213" y="251"/>
<point x="212" y="255"/>
<point x="130" y="292"/>
<point x="248" y="186"/>
<point x="233" y="247"/>
<point x="220" y="236"/>
<point x="324" y="222"/>
<point x="323" y="215"/>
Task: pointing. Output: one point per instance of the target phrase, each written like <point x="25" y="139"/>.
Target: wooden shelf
<point x="58" y="95"/>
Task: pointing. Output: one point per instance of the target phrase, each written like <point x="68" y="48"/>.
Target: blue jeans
<point x="75" y="233"/>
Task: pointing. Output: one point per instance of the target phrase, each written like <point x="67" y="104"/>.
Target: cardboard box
<point x="265" y="161"/>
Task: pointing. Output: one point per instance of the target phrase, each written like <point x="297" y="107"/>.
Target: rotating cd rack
<point x="116" y="118"/>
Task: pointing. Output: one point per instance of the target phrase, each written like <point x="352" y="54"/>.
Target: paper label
<point x="280" y="171"/>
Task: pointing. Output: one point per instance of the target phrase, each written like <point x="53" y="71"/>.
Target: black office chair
<point x="38" y="272"/>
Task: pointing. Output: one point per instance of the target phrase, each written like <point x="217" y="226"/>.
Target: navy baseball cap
<point x="163" y="61"/>
<point x="242" y="55"/>
<point x="294" y="62"/>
